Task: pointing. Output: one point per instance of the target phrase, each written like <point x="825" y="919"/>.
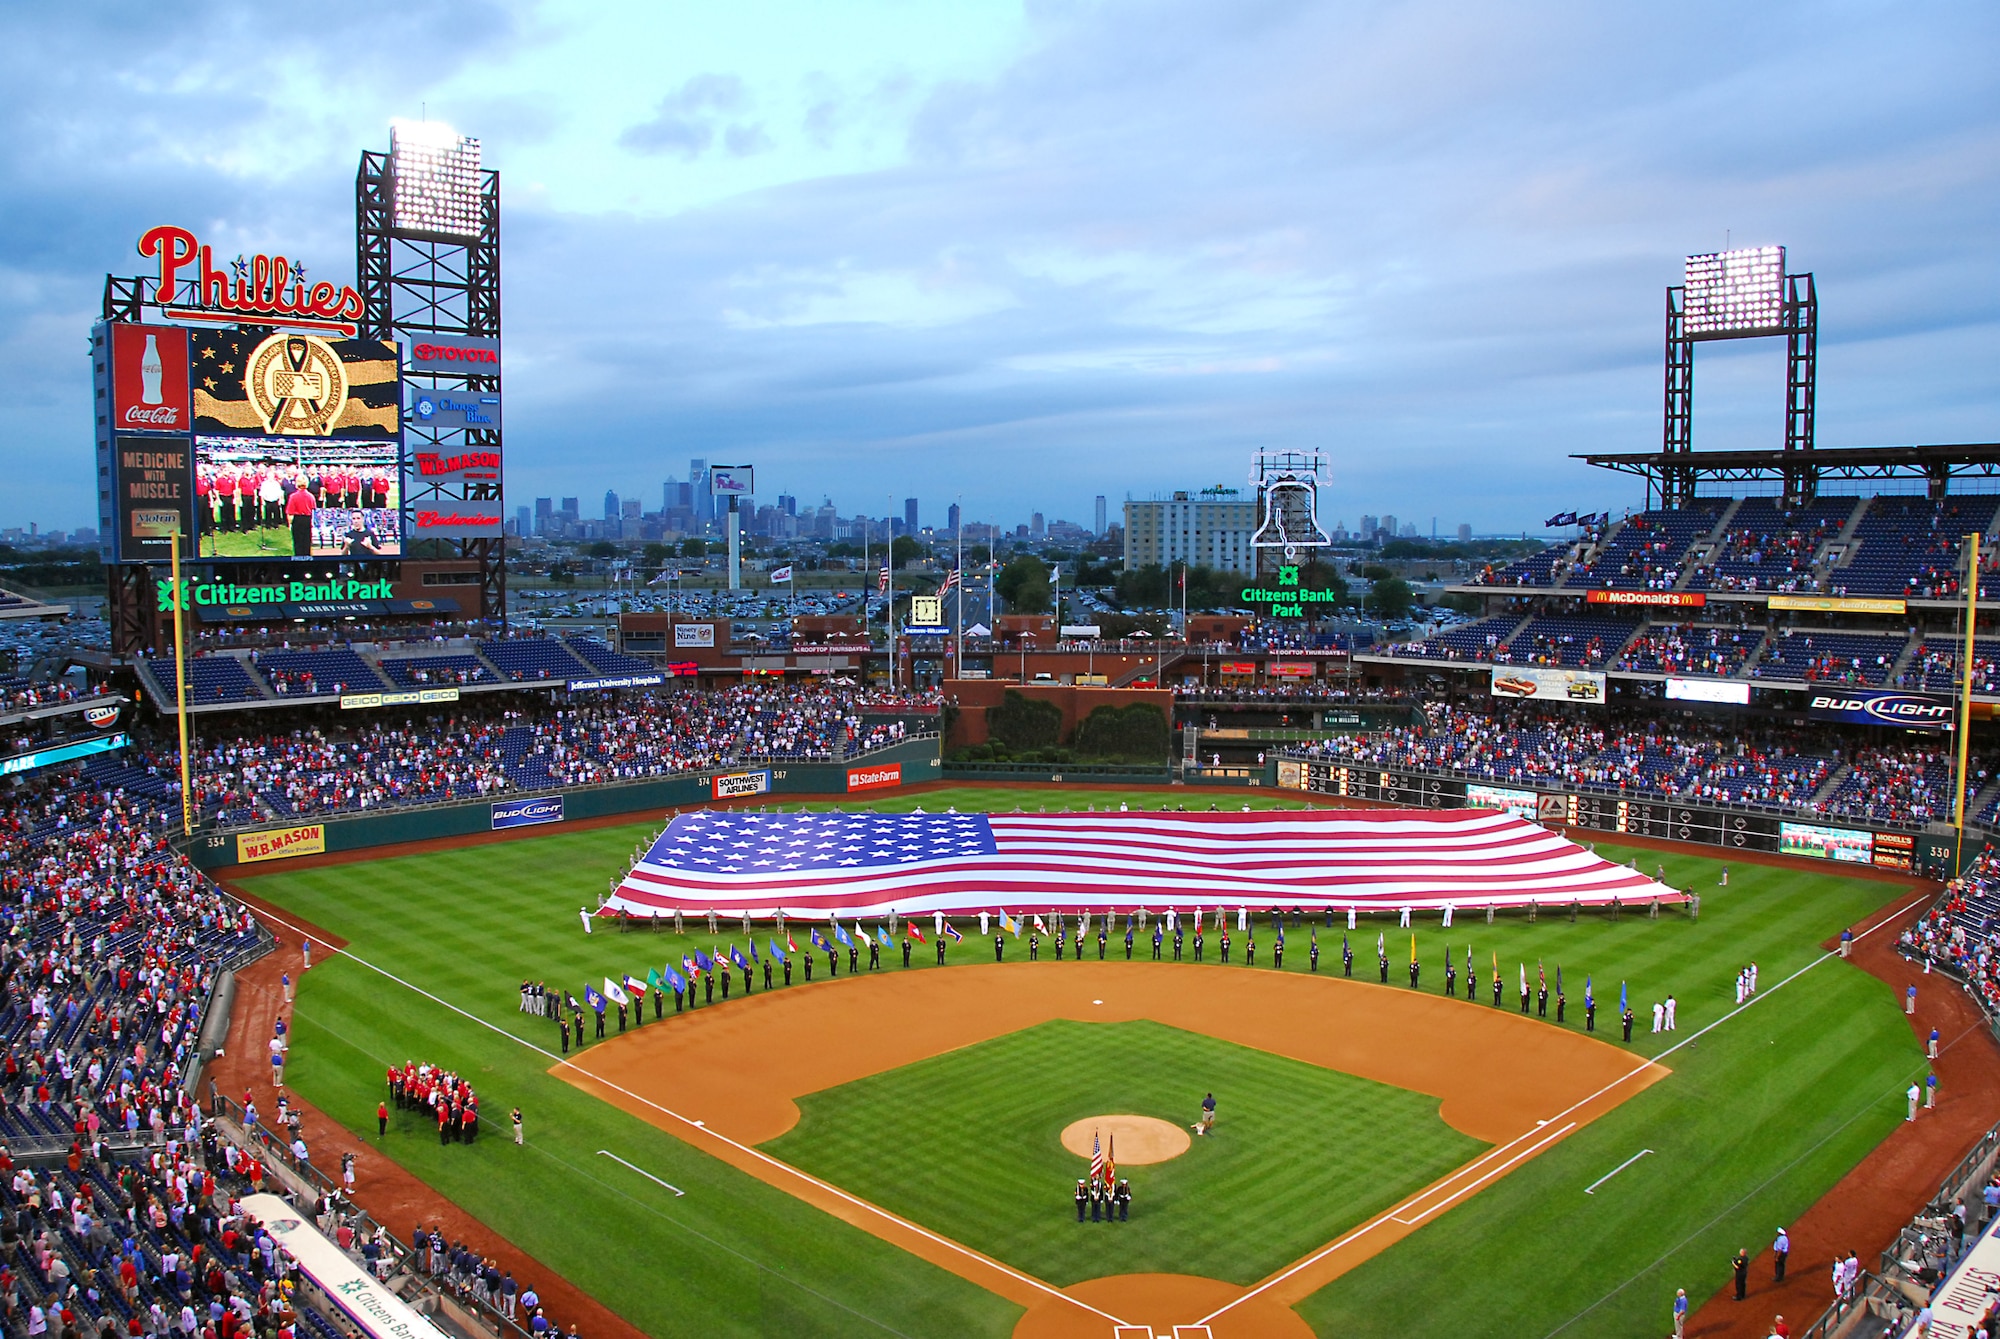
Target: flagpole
<point x="958" y="645"/>
<point x="889" y="614"/>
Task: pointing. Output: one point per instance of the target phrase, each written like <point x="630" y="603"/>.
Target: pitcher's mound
<point x="1140" y="1139"/>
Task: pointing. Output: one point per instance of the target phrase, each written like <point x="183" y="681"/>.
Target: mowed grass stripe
<point x="1738" y="1109"/>
<point x="1300" y="1155"/>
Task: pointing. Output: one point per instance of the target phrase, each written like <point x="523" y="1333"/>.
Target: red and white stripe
<point x="1365" y="859"/>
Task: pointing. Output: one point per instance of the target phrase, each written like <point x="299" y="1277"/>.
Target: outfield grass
<point x="1759" y="1118"/>
<point x="968" y="1143"/>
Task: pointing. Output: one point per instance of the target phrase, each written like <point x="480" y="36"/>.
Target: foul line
<point x="1591" y="1189"/>
<point x="745" y="1149"/>
<point x="607" y="1153"/>
<point x="1394" y="1214"/>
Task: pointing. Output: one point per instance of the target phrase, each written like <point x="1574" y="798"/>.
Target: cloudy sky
<point x="1025" y="254"/>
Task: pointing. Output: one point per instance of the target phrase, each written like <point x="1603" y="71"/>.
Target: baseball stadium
<point x="857" y="938"/>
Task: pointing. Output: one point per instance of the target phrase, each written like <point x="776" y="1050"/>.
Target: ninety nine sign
<point x="262" y="290"/>
<point x="874" y="778"/>
<point x="1289" y="599"/>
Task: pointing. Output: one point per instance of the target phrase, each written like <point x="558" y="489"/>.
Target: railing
<point x="514" y="793"/>
<point x="400" y="1253"/>
<point x="1637" y="796"/>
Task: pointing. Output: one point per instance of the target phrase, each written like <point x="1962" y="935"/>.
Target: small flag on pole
<point x="613" y="992"/>
<point x="781" y="575"/>
<point x="1096" y="1158"/>
<point x="952" y="930"/>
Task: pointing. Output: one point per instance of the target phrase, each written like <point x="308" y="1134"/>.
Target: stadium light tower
<point x="427" y="260"/>
<point x="1742" y="294"/>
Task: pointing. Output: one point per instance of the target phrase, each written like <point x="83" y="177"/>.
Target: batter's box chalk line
<point x="1146" y="1332"/>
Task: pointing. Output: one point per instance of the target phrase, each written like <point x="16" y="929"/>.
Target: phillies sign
<point x="149" y="378"/>
<point x="270" y="288"/>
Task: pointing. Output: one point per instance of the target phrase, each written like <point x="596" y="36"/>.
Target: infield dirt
<point x="1500" y="1077"/>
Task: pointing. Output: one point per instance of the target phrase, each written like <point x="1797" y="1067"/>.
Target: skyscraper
<point x="909" y="516"/>
<point x="610" y="504"/>
<point x="1035" y="527"/>
<point x="951" y="515"/>
<point x="524" y="521"/>
<point x="1098" y="528"/>
<point x="703" y="502"/>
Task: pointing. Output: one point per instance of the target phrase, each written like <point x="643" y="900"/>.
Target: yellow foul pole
<point x="1965" y="683"/>
<point x="180" y="691"/>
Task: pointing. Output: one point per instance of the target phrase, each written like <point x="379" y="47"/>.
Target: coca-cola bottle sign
<point x="149" y="378"/>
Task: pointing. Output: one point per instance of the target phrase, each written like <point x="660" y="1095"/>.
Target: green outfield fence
<point x="918" y="761"/>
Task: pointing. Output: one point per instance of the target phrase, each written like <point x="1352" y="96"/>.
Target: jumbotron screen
<point x="268" y="499"/>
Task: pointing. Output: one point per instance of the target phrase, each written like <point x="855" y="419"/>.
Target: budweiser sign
<point x="149" y="378"/>
<point x="1658" y="599"/>
<point x="268" y="288"/>
<point x="469" y="523"/>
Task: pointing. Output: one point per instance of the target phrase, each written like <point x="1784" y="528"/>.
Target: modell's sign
<point x="438" y="466"/>
<point x="469" y="521"/>
<point x="149" y="378"/>
<point x="271" y="289"/>
<point x="1908" y="711"/>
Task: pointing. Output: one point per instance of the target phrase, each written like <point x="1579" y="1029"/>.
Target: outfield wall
<point x="1836" y="840"/>
<point x="913" y="762"/>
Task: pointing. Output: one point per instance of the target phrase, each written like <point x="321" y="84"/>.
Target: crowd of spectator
<point x="1688" y="649"/>
<point x="486" y="749"/>
<point x="1632" y="753"/>
<point x="1961" y="932"/>
<point x="20" y="695"/>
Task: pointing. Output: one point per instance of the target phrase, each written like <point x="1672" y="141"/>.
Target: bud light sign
<point x="1864" y="706"/>
<point x="526" y="813"/>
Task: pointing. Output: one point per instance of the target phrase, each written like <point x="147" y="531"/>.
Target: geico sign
<point x="1891" y="707"/>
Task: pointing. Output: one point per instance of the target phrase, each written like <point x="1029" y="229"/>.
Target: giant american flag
<point x="868" y="864"/>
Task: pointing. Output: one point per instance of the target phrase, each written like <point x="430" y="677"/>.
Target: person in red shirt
<point x="299" y="511"/>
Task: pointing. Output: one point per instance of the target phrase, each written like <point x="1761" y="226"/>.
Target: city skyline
<point x="1121" y="246"/>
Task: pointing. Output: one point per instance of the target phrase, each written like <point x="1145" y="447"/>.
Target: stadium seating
<point x="607" y="661"/>
<point x="1645" y="553"/>
<point x="1578" y="643"/>
<point x="1807" y="656"/>
<point x="210" y="679"/>
<point x="436" y="671"/>
<point x="1475" y="641"/>
<point x="1934" y="668"/>
<point x="524" y="659"/>
<point x="1908" y="546"/>
<point x="327" y="673"/>
<point x="1768" y="548"/>
<point x="1690" y="649"/>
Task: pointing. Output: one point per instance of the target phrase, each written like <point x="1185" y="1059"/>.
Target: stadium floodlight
<point x="1736" y="293"/>
<point x="435" y="176"/>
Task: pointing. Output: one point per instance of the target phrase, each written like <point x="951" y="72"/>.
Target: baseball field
<point x="885" y="1154"/>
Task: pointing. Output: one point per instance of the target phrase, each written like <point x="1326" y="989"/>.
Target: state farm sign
<point x="149" y="378"/>
<point x="874" y="778"/>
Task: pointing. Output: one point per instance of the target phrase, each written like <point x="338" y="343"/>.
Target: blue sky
<point x="1025" y="254"/>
